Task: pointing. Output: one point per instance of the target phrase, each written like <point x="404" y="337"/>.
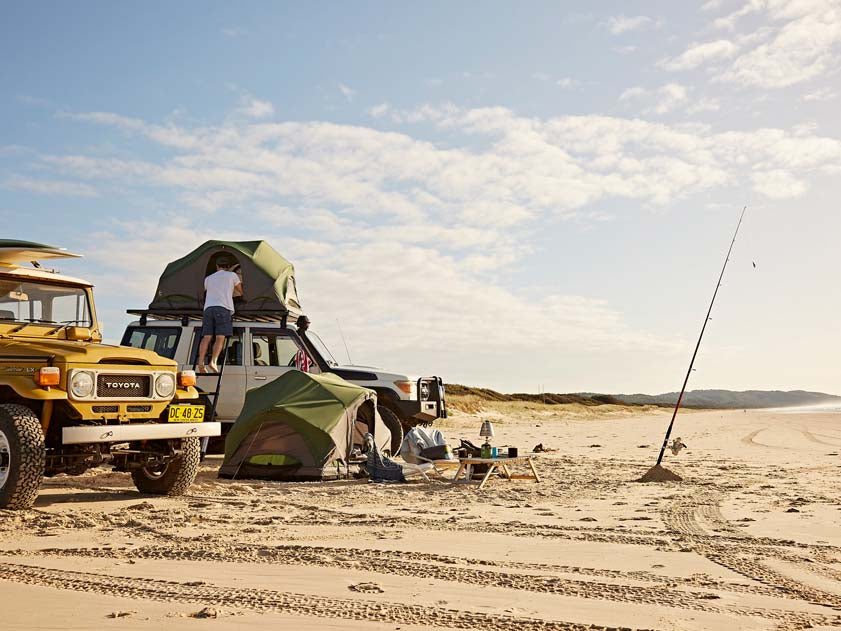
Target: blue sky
<point x="511" y="196"/>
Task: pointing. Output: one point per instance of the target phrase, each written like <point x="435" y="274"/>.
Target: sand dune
<point x="749" y="540"/>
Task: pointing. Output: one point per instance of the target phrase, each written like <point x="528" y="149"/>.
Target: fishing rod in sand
<point x="700" y="337"/>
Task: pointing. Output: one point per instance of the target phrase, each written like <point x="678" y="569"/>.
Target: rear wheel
<point x="173" y="478"/>
<point x="394" y="426"/>
<point x="22" y="456"/>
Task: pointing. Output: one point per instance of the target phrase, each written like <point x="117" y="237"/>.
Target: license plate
<point x="186" y="413"/>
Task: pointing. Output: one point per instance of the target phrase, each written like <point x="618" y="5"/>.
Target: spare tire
<point x="394" y="426"/>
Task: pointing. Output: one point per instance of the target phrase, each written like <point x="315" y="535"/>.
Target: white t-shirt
<point x="220" y="290"/>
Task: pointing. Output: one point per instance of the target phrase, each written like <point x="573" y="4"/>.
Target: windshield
<point x="321" y="347"/>
<point x="43" y="302"/>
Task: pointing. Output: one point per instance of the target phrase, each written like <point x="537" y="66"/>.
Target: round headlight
<point x="81" y="385"/>
<point x="165" y="385"/>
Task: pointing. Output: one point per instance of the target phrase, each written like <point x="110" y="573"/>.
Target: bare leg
<point x="205" y="342"/>
<point x="217" y="349"/>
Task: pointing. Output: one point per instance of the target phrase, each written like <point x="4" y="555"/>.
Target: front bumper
<point x="85" y="434"/>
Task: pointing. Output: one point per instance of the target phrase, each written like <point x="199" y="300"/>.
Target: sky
<point x="519" y="196"/>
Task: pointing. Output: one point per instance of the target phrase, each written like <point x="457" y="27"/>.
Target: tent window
<point x="211" y="263"/>
<point x="274" y="350"/>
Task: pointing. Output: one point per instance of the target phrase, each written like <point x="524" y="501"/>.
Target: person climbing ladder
<point x="217" y="317"/>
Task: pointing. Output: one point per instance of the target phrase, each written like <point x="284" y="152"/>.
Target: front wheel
<point x="22" y="456"/>
<point x="394" y="426"/>
<point x="173" y="478"/>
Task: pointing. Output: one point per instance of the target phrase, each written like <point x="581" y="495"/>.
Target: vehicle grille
<point x="105" y="409"/>
<point x="123" y="386"/>
<point x="139" y="408"/>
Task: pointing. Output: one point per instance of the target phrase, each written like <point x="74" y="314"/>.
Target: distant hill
<point x="733" y="400"/>
<point x="549" y="398"/>
<point x="708" y="399"/>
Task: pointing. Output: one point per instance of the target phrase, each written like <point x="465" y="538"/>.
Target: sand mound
<point x="658" y="473"/>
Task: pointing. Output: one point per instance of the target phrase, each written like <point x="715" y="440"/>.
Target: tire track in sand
<point x="682" y="518"/>
<point x="264" y="600"/>
<point x="666" y="593"/>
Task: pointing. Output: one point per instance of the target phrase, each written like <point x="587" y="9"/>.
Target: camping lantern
<point x="486" y="432"/>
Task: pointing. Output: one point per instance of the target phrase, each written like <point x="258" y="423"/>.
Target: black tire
<point x="22" y="456"/>
<point x="394" y="426"/>
<point x="176" y="477"/>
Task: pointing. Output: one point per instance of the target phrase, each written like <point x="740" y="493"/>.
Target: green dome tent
<point x="268" y="279"/>
<point x="301" y="426"/>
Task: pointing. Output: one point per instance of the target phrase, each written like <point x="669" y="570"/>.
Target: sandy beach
<point x="749" y="540"/>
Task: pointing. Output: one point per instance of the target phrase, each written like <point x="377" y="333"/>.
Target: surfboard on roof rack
<point x="15" y="251"/>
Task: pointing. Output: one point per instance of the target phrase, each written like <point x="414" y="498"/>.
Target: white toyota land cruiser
<point x="261" y="351"/>
<point x="271" y="336"/>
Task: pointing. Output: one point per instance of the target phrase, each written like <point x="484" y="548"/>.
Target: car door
<point x="273" y="353"/>
<point x="232" y="388"/>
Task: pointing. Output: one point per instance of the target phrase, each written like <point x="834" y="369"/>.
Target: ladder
<point x="214" y="393"/>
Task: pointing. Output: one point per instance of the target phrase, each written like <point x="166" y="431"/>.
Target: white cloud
<point x="338" y="278"/>
<point x="567" y="83"/>
<point x="254" y="108"/>
<point x="619" y="24"/>
<point x="234" y="32"/>
<point x="803" y="47"/>
<point x="711" y="5"/>
<point x="796" y="41"/>
<point x="821" y="94"/>
<point x="528" y="167"/>
<point x="699" y="54"/>
<point x="632" y="93"/>
<point x="365" y="214"/>
<point x="347" y="92"/>
<point x="703" y="105"/>
<point x="668" y="98"/>
<point x="777" y="184"/>
<point x="47" y="186"/>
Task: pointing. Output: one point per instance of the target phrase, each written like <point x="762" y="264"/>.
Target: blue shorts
<point x="217" y="321"/>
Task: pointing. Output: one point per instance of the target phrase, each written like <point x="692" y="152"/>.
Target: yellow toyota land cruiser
<point x="68" y="402"/>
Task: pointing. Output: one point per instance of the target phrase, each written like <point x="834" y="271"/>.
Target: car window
<point x="231" y="354"/>
<point x="162" y="340"/>
<point x="273" y="350"/>
<point x="43" y="302"/>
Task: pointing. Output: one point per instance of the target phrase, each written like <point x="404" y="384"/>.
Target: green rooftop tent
<point x="301" y="426"/>
<point x="268" y="279"/>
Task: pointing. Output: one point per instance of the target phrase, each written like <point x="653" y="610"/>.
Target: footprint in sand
<point x="366" y="588"/>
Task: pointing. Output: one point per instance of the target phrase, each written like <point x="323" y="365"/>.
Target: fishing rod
<point x="700" y="337"/>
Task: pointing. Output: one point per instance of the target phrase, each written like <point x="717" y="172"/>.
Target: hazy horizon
<point x="516" y="197"/>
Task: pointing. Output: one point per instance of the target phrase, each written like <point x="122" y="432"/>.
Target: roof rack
<point x="244" y="315"/>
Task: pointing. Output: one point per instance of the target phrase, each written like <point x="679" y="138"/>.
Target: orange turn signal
<point x="48" y="376"/>
<point x="187" y="378"/>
